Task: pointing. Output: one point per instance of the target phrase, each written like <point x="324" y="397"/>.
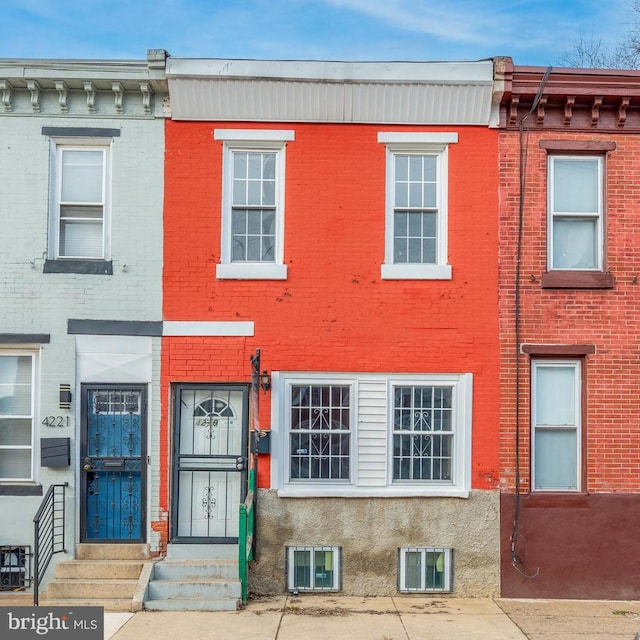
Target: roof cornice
<point x="68" y="87"/>
<point x="596" y="100"/>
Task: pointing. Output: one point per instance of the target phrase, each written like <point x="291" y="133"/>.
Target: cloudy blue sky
<point x="531" y="32"/>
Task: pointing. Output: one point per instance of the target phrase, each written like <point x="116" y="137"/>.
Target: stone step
<point x="127" y="551"/>
<point x="194" y="589"/>
<point x="99" y="569"/>
<point x="194" y="570"/>
<point x="89" y="589"/>
<point x="109" y="604"/>
<point x="176" y="604"/>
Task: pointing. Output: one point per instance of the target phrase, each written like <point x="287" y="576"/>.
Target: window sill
<point x="351" y="491"/>
<point x="251" y="271"/>
<point x="20" y="489"/>
<point x="577" y="280"/>
<point x="88" y="267"/>
<point x="416" y="272"/>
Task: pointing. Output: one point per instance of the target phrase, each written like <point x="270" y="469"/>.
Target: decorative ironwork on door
<point x="210" y="462"/>
<point x="113" y="469"/>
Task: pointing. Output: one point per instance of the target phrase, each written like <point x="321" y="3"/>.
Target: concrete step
<point x="195" y="570"/>
<point x="175" y="604"/>
<point x="177" y="551"/>
<point x="127" y="551"/>
<point x="99" y="569"/>
<point x="109" y="604"/>
<point x="90" y="589"/>
<point x="199" y="584"/>
<point x="194" y="589"/>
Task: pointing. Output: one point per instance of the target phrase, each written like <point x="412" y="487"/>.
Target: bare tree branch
<point x="588" y="49"/>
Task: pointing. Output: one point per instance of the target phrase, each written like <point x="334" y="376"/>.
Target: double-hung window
<point x="556" y="425"/>
<point x="416" y="238"/>
<point x="575" y="213"/>
<point x="359" y="434"/>
<point x="253" y="203"/>
<point x="17" y="407"/>
<point x="80" y="200"/>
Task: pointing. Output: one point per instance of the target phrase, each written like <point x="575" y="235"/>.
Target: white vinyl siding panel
<point x="372" y="433"/>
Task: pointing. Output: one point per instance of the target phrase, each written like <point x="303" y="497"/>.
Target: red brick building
<point x="341" y="218"/>
<point x="569" y="255"/>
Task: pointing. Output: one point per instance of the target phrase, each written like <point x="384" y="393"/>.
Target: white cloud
<point x="465" y="22"/>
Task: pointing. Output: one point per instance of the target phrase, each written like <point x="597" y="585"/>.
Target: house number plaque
<point x="56" y="421"/>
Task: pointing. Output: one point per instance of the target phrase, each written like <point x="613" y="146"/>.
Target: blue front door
<point x="113" y="463"/>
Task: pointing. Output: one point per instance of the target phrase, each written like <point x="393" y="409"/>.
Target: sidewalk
<point x="575" y="619"/>
<point x="397" y="618"/>
<point x="330" y="617"/>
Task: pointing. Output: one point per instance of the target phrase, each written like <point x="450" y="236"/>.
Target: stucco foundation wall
<point x="370" y="530"/>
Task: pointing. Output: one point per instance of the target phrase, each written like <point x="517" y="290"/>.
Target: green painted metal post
<point x="245" y="536"/>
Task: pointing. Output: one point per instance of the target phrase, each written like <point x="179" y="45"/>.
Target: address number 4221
<point x="56" y="421"/>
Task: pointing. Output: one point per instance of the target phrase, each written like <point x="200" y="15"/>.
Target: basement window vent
<point x="15" y="567"/>
<point x="314" y="569"/>
<point x="425" y="569"/>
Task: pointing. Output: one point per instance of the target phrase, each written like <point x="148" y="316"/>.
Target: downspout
<point x="516" y="561"/>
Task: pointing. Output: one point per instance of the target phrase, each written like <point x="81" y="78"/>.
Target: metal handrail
<point x="245" y="536"/>
<point x="48" y="536"/>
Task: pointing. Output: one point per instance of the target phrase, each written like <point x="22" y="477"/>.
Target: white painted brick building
<point x="81" y="196"/>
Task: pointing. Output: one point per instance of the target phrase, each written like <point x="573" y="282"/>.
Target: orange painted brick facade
<point x="334" y="313"/>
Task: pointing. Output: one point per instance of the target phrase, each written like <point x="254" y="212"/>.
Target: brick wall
<point x="608" y="319"/>
<point x="35" y="302"/>
<point x="334" y="313"/>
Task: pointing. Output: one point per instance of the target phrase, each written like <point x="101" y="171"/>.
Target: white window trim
<point x="426" y="143"/>
<point x="336" y="568"/>
<point x="251" y="270"/>
<point x="402" y="569"/>
<point x="461" y="426"/>
<point x="81" y="143"/>
<point x="551" y="213"/>
<point x="460" y="487"/>
<point x="247" y="140"/>
<point x="35" y="390"/>
<point x="284" y="394"/>
<point x="576" y="364"/>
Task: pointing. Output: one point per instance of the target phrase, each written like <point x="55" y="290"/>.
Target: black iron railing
<point x="49" y="525"/>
